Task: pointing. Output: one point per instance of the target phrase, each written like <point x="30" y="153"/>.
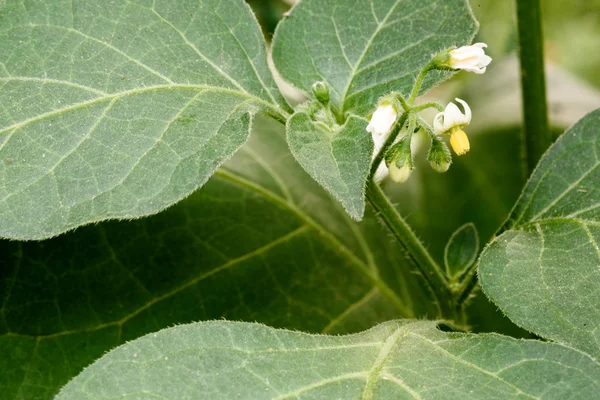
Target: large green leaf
<point x="366" y="49"/>
<point x="120" y="109"/>
<point x="260" y="242"/>
<point x="544" y="272"/>
<point x="338" y="159"/>
<point x="395" y="360"/>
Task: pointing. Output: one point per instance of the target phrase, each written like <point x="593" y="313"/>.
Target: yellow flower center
<point x="459" y="141"/>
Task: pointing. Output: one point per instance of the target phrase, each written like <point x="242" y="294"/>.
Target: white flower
<point x="470" y="58"/>
<point x="382" y="171"/>
<point x="380" y="126"/>
<point x="452" y="117"/>
<point x="382" y="120"/>
<point x="450" y="122"/>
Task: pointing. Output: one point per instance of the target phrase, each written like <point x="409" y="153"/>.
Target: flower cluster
<point x="449" y="121"/>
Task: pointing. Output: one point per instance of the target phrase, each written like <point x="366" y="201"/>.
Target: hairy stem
<point x="419" y="82"/>
<point x="389" y="141"/>
<point x="431" y="104"/>
<point x="536" y="136"/>
<point x="413" y="246"/>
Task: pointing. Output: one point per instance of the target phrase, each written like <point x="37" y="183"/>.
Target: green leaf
<point x="461" y="250"/>
<point x="339" y="160"/>
<point x="543" y="271"/>
<point x="366" y="49"/>
<point x="120" y="109"/>
<point x="260" y="242"/>
<point x="395" y="360"/>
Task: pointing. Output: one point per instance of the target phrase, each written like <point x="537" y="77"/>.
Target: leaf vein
<point x="205" y="58"/>
<point x="67" y="154"/>
<point x="471" y="365"/>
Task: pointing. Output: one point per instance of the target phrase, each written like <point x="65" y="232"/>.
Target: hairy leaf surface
<point x="120" y="109"/>
<point x="367" y="48"/>
<point x="395" y="360"/>
<point x="338" y="159"/>
<point x="260" y="242"/>
<point x="544" y="271"/>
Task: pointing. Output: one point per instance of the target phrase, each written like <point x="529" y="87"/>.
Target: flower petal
<point x="453" y="116"/>
<point x="382" y="120"/>
<point x="438" y="123"/>
<point x="467" y="113"/>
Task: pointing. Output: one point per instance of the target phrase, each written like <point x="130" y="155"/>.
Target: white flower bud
<point x="470" y="58"/>
<point x="399" y="175"/>
<point x="382" y="120"/>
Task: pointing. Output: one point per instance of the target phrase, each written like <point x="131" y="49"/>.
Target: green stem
<point x="468" y="284"/>
<point x="536" y="136"/>
<point x="276" y="114"/>
<point x="402" y="101"/>
<point x="419" y="82"/>
<point x="416" y="251"/>
<point x="431" y="104"/>
<point x="425" y="126"/>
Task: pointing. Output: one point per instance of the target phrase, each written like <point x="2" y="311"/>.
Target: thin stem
<point x="431" y="104"/>
<point x="536" y="136"/>
<point x="277" y="115"/>
<point x="468" y="284"/>
<point x="425" y="126"/>
<point x="402" y="101"/>
<point x="418" y="83"/>
<point x="416" y="251"/>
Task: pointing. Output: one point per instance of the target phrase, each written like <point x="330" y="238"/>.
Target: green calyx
<point x="439" y="155"/>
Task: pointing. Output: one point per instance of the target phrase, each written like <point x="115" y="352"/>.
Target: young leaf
<point x="260" y="242"/>
<point x="543" y="272"/>
<point x="338" y="160"/>
<point x="120" y="109"/>
<point x="461" y="250"/>
<point x="365" y="49"/>
<point x="395" y="360"/>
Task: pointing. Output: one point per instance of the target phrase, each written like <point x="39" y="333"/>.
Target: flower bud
<point x="310" y="107"/>
<point x="468" y="58"/>
<point x="321" y="91"/>
<point x="399" y="160"/>
<point x="439" y="156"/>
<point x="399" y="175"/>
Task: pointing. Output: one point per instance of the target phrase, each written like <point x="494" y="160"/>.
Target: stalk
<point x="416" y="252"/>
<point x="536" y="136"/>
